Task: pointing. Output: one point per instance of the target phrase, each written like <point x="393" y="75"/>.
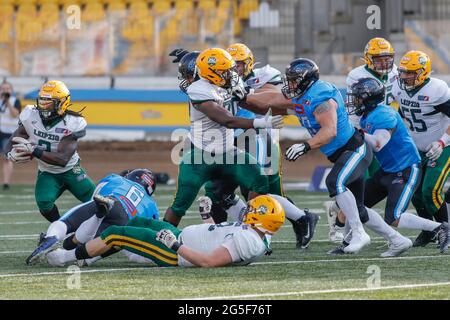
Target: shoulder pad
<point x="26" y="113"/>
<point x="201" y="91"/>
<point x="75" y="124"/>
<point x="437" y="90"/>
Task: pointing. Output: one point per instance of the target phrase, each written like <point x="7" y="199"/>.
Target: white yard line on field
<point x="301" y="293"/>
<point x="7" y="275"/>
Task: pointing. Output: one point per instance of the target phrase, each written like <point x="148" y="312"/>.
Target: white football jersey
<point x="242" y="242"/>
<point x="364" y="72"/>
<point x="205" y="133"/>
<point x="49" y="137"/>
<point x="260" y="76"/>
<point x="426" y="124"/>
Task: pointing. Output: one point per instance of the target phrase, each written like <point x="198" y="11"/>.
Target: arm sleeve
<point x="244" y="246"/>
<point x="444" y="108"/>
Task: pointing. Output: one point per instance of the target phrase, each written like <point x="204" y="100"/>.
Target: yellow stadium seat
<point x="224" y="4"/>
<point x="138" y="10"/>
<point x="93" y="12"/>
<point x="206" y="4"/>
<point x="116" y="6"/>
<point x="246" y="7"/>
<point x="6" y="11"/>
<point x="49" y="15"/>
<point x="161" y="6"/>
<point x="237" y="28"/>
<point x="5" y="32"/>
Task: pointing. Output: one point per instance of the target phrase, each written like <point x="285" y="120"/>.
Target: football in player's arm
<point x="49" y="132"/>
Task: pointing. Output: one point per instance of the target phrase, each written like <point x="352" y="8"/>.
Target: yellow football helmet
<point x="217" y="66"/>
<point x="241" y="53"/>
<point x="264" y="213"/>
<point x="379" y="55"/>
<point x="53" y="100"/>
<point x="414" y="69"/>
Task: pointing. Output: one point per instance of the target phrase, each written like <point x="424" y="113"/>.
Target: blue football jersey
<point x="400" y="152"/>
<point x="131" y="195"/>
<point x="304" y="108"/>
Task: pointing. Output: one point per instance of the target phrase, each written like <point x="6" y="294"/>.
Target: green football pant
<point x="50" y="186"/>
<point x="192" y="176"/>
<point x="429" y="195"/>
<point x="139" y="237"/>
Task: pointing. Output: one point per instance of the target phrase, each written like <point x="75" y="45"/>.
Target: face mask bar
<point x="410" y="82"/>
<point x="382" y="67"/>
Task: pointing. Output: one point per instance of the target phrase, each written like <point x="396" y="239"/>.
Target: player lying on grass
<point x="226" y="204"/>
<point x="203" y="245"/>
<point x="129" y="196"/>
<point x="399" y="173"/>
<point x="50" y="132"/>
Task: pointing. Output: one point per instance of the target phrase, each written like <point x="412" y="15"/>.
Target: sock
<point x="52" y="215"/>
<point x="81" y="252"/>
<point x="291" y="211"/>
<point x="411" y="221"/>
<point x="347" y="203"/>
<point x="57" y="229"/>
<point x="88" y="229"/>
<point x="447" y="204"/>
<point x="234" y="211"/>
<point x="441" y="215"/>
<point x="338" y="223"/>
<point x="379" y="226"/>
<point x="69" y="256"/>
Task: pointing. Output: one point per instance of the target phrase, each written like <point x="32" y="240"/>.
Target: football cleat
<point x="46" y="245"/>
<point x="104" y="205"/>
<point x="308" y="225"/>
<point x="40" y="238"/>
<point x="443" y="234"/>
<point x="397" y="248"/>
<point x="54" y="258"/>
<point x="338" y="250"/>
<point x="360" y="239"/>
<point x="298" y="232"/>
<point x="424" y="238"/>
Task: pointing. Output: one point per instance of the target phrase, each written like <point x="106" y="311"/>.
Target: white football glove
<point x="269" y="121"/>
<point x="23" y="145"/>
<point x="18" y="156"/>
<point x="297" y="150"/>
<point x="167" y="238"/>
<point x="434" y="150"/>
<point x="238" y="91"/>
<point x="204" y="204"/>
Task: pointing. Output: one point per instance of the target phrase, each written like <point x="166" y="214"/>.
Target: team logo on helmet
<point x="422" y="60"/>
<point x="262" y="209"/>
<point x="212" y="61"/>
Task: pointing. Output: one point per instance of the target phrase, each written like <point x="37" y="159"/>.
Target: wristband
<point x="445" y="139"/>
<point x="442" y="143"/>
<point x="176" y="246"/>
<point x="307" y="146"/>
<point x="37" y="153"/>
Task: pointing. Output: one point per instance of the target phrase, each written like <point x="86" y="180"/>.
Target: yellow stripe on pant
<point x="145" y="247"/>
<point x="437" y="190"/>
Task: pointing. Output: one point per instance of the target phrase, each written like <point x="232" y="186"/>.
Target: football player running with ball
<point x="204" y="245"/>
<point x="50" y="133"/>
<point x="424" y="102"/>
<point x="210" y="151"/>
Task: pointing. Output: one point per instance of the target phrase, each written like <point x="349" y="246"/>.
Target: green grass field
<point x="287" y="274"/>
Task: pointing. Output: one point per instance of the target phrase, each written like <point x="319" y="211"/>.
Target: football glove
<point x="18" y="156"/>
<point x="204" y="206"/>
<point x="167" y="238"/>
<point x="269" y="121"/>
<point x="435" y="150"/>
<point x="297" y="150"/>
<point x="23" y="144"/>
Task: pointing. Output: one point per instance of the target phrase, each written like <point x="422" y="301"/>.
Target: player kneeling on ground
<point x="50" y="133"/>
<point x="203" y="245"/>
<point x="117" y="200"/>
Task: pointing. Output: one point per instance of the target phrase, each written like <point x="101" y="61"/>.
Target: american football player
<point x="210" y="151"/>
<point x="204" y="245"/>
<point x="399" y="173"/>
<point x="379" y="65"/>
<point x="424" y="103"/>
<point x="117" y="199"/>
<point x="49" y="132"/>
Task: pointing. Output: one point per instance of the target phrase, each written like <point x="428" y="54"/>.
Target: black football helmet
<point x="300" y="75"/>
<point x="145" y="178"/>
<point x="186" y="70"/>
<point x="364" y="95"/>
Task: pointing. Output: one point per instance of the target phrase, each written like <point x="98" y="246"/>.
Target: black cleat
<point x="443" y="234"/>
<point x="46" y="245"/>
<point x="308" y="226"/>
<point x="298" y="232"/>
<point x="41" y="238"/>
<point x="424" y="238"/>
<point x="104" y="205"/>
<point x="338" y="250"/>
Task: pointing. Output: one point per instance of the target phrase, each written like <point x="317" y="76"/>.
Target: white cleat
<point x="398" y="247"/>
<point x="55" y="258"/>
<point x="336" y="233"/>
<point x="360" y="239"/>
